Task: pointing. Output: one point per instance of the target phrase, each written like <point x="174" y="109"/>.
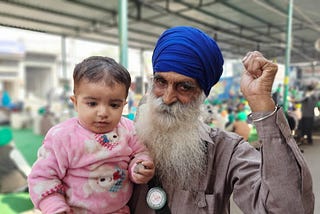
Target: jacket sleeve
<point x="139" y="151"/>
<point x="45" y="187"/>
<point x="282" y="182"/>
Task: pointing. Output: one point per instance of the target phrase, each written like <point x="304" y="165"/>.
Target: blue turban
<point x="190" y="52"/>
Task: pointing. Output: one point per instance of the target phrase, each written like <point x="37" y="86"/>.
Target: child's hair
<point x="98" y="68"/>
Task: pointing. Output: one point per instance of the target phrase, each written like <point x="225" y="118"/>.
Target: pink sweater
<point x="78" y="171"/>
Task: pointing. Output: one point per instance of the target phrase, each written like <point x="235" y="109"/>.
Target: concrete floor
<point x="312" y="157"/>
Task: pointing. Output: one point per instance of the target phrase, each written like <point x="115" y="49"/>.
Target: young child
<point x="87" y="164"/>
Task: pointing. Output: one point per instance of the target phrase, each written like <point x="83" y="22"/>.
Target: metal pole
<point x="64" y="57"/>
<point x="142" y="70"/>
<point x="288" y="55"/>
<point x="123" y="31"/>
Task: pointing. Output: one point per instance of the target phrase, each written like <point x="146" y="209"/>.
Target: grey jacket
<point x="274" y="180"/>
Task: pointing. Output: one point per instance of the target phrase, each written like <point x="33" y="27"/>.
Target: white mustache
<point x="161" y="107"/>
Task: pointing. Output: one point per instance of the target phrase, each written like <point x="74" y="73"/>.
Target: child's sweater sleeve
<point x="45" y="187"/>
<point x="140" y="152"/>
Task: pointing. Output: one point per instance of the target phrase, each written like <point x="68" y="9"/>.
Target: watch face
<point x="156" y="198"/>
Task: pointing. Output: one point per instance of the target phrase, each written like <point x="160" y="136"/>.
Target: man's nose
<point x="170" y="95"/>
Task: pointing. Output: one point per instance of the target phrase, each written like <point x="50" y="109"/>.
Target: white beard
<point x="171" y="134"/>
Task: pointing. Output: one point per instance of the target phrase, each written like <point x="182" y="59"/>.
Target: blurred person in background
<point x="308" y="104"/>
<point x="5" y="100"/>
<point x="240" y="126"/>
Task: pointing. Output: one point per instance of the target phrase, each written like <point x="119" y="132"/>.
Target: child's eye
<point x="115" y="105"/>
<point x="91" y="104"/>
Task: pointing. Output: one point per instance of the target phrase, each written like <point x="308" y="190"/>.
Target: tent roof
<point x="239" y="26"/>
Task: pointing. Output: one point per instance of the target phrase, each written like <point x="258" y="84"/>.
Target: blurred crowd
<point x="228" y="114"/>
<point x="302" y="113"/>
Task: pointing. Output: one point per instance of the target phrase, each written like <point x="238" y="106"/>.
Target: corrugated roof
<point x="239" y="26"/>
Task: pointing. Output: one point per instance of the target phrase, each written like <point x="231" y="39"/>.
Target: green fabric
<point x="242" y="116"/>
<point x="253" y="135"/>
<point x="5" y="136"/>
<point x="231" y="118"/>
<point x="14" y="203"/>
<point x="42" y="111"/>
<point x="27" y="143"/>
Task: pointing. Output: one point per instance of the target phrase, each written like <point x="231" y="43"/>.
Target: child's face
<point x="99" y="106"/>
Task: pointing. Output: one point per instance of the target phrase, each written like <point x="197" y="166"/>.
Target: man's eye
<point x="185" y="87"/>
<point x="160" y="82"/>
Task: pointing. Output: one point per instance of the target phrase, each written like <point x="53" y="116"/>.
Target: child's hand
<point x="143" y="172"/>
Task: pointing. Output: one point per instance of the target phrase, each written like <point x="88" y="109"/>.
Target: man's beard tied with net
<point x="171" y="134"/>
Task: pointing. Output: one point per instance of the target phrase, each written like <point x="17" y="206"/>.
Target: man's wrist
<point x="261" y="104"/>
<point x="251" y="119"/>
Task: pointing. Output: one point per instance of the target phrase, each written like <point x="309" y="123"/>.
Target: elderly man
<point x="198" y="168"/>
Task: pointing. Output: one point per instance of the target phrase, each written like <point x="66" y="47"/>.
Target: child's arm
<point x="45" y="186"/>
<point x="141" y="167"/>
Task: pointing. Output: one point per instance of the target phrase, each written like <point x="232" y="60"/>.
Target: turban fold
<point x="189" y="51"/>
